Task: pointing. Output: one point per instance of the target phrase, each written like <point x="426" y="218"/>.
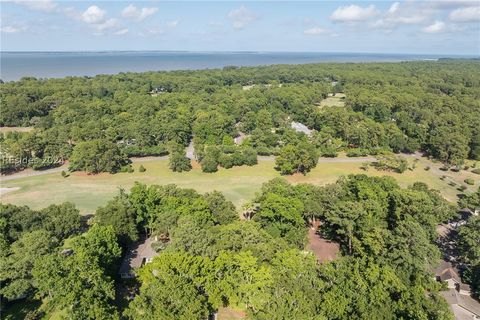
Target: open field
<point x="333" y="101"/>
<point x="239" y="184"/>
<point x="15" y="129"/>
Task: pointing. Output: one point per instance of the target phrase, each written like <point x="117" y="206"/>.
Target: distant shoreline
<point x="59" y="64"/>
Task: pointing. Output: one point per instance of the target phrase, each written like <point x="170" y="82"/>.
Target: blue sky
<point x="451" y="27"/>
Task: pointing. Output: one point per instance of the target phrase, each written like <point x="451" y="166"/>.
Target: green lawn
<point x="333" y="101"/>
<point x="239" y="184"/>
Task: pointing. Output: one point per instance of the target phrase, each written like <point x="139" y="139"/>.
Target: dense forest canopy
<point x="399" y="107"/>
<point x="210" y="259"/>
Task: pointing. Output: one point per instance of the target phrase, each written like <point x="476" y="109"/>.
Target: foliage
<point x="97" y="156"/>
<point x="16" y="265"/>
<point x="120" y="214"/>
<point x="397" y="164"/>
<point x="299" y="158"/>
<point x="401" y="107"/>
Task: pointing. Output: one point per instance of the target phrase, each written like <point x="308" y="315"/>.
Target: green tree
<point x="97" y="156"/>
<point x="179" y="162"/>
<point x="76" y="284"/>
<point x="120" y="214"/>
<point x="16" y="265"/>
<point x="100" y="244"/>
<point x="223" y="210"/>
<point x="62" y="220"/>
<point x="282" y="217"/>
<point x="300" y="158"/>
<point x="209" y="163"/>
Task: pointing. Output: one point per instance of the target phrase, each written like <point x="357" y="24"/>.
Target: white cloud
<point x="315" y="31"/>
<point x="108" y="25"/>
<point x="353" y="13"/>
<point x="394" y="7"/>
<point x="138" y="14"/>
<point x="400" y="14"/>
<point x="121" y="32"/>
<point x="467" y="14"/>
<point x="12" y="29"/>
<point x="241" y="17"/>
<point x="436" y="27"/>
<point x="38" y="5"/>
<point x="93" y="15"/>
<point x="451" y="4"/>
<point x="173" y="23"/>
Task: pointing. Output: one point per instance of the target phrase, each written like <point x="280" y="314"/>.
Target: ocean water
<point x="15" y="65"/>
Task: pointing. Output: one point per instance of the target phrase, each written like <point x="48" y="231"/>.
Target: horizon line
<point x="240" y="52"/>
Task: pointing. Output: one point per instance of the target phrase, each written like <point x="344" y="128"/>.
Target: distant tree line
<point x="390" y="107"/>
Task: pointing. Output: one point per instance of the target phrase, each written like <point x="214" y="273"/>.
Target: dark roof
<point x="450" y="273"/>
<point x="137" y="254"/>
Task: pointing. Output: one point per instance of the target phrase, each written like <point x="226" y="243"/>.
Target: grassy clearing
<point x="15" y="129"/>
<point x="239" y="184"/>
<point x="333" y="101"/>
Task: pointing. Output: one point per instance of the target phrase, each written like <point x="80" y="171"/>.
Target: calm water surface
<point x="15" y="65"/>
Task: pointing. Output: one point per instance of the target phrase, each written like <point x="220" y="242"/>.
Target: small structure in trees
<point x="300" y="127"/>
<point x="139" y="254"/>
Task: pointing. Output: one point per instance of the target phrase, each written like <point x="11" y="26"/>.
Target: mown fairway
<point x="239" y="184"/>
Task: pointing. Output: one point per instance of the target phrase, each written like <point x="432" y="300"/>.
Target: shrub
<point x="141" y="168"/>
<point x="130" y="169"/>
<point x="64" y="174"/>
<point x="178" y="162"/>
<point x="225" y="161"/>
<point x="238" y="158"/>
<point x="391" y="163"/>
<point x="264" y="151"/>
<point x="462" y="188"/>
<point x="427" y="168"/>
<point x="476" y="171"/>
<point x="250" y="157"/>
<point x="469" y="181"/>
<point x="209" y="163"/>
<point x="357" y="152"/>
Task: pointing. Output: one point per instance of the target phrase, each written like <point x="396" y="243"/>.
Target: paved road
<point x="31" y="173"/>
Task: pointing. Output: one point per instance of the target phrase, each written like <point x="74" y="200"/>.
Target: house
<point x="300" y="127"/>
<point x="463" y="307"/>
<point x="139" y="254"/>
<point x="458" y="294"/>
<point x="446" y="273"/>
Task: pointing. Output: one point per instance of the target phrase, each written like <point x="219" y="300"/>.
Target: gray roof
<point x="137" y="254"/>
<point x="300" y="127"/>
<point x="466" y="302"/>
